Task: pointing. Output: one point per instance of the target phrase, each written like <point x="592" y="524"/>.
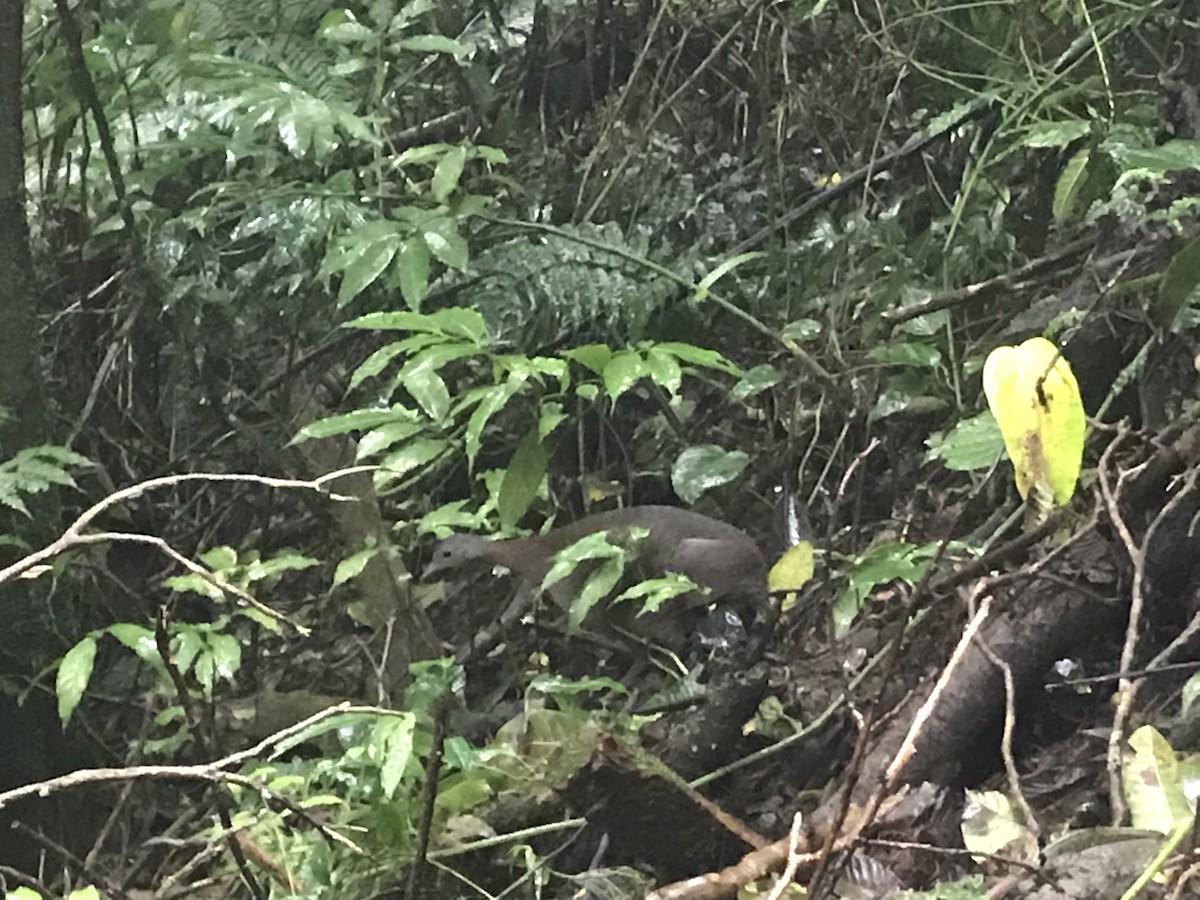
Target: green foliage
<point x="885" y="562"/>
<point x="454" y="344"/>
<point x="35" y="470"/>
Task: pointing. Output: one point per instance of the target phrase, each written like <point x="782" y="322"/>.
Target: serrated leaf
<point x="494" y="398"/>
<point x="219" y="558"/>
<point x="521" y="479"/>
<point x="444" y="242"/>
<point x="74" y="673"/>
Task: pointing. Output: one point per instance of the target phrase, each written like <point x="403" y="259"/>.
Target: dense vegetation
<point x="292" y="289"/>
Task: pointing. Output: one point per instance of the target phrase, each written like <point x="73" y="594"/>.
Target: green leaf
<point x="591" y="356"/>
<point x="599" y="584"/>
<point x="701" y="468"/>
<point x="1070" y="184"/>
<point x="447" y="173"/>
<point x="756" y="380"/>
<point x="137" y="638"/>
<point x="444" y="242"/>
<point x="907" y="354"/>
<point x="1055" y="134"/>
<point x="521" y="480"/>
<point x="699" y="356"/>
<point x="219" y="558"/>
<point x="1178" y="285"/>
<point x="359" y="420"/>
<point x="74" y="673"/>
<point x="972" y="445"/>
<point x="494" y="399"/>
<point x="801" y="330"/>
<point x="550" y="416"/>
<point x="623" y="371"/>
<point x="377" y="440"/>
<point x="412" y="270"/>
<point x="664" y="370"/>
<point x="410" y="456"/>
<point x="226" y="655"/>
<point x="433" y="43"/>
<point x="393" y="742"/>
<point x="352" y="566"/>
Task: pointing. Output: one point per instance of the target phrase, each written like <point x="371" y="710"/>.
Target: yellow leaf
<point x="792" y="569"/>
<point x="1034" y="397"/>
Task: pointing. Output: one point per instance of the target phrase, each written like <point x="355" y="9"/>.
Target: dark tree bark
<point x="20" y="380"/>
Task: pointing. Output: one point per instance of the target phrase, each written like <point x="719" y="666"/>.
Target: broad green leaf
<point x="443" y="240"/>
<point x="1173" y="155"/>
<point x="550" y="416"/>
<point x="907" y="353"/>
<point x="463" y="322"/>
<point x="381" y="358"/>
<point x="880" y="564"/>
<point x="699" y="356"/>
<point x="286" y="561"/>
<point x="352" y="566"/>
<point x="1033" y="394"/>
<point x="137" y="638"/>
<point x="1178" y="285"/>
<point x="494" y="398"/>
<point x="1055" y="134"/>
<point x="801" y="330"/>
<point x="411" y="267"/>
<point x="219" y="558"/>
<point x="599" y="584"/>
<point x="380" y="439"/>
<point x="393" y="743"/>
<point x="359" y="420"/>
<point x="591" y="356"/>
<point x="521" y="480"/>
<point x="654" y="592"/>
<point x="622" y="372"/>
<point x="1070" y="184"/>
<point x="74" y="673"/>
<point x="664" y="370"/>
<point x="413" y="454"/>
<point x="972" y="445"/>
<point x="432" y="43"/>
<point x="447" y="173"/>
<point x="701" y="468"/>
<point x="756" y="380"/>
<point x="367" y="266"/>
<point x="226" y="655"/>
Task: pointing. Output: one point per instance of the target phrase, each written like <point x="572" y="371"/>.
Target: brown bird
<point x="713" y="554"/>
